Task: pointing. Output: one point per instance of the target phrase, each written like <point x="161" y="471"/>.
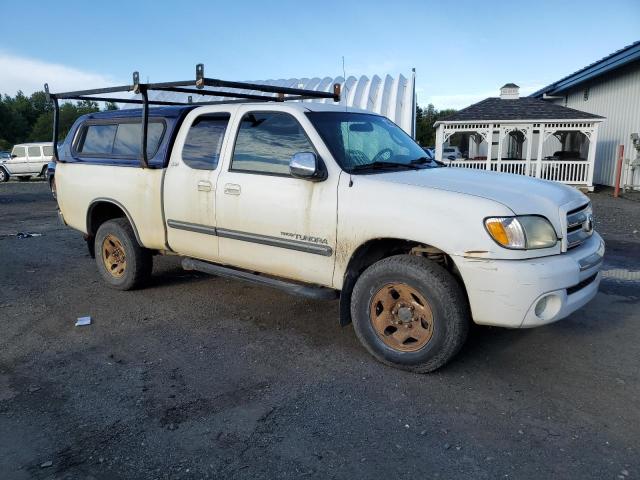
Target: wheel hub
<point x="402" y="317"/>
<point x="403" y="314"/>
<point x="113" y="256"/>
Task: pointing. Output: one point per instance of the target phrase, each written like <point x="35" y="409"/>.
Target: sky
<point x="462" y="51"/>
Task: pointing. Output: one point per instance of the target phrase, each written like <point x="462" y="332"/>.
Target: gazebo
<point x="524" y="136"/>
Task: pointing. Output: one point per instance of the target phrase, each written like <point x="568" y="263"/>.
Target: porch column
<point x="591" y="158"/>
<point x="527" y="166"/>
<point x="439" y="142"/>
<point x="489" y="140"/>
<point x="499" y="159"/>
<point x="540" y="144"/>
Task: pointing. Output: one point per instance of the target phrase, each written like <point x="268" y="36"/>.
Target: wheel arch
<point x="102" y="209"/>
<point x="375" y="250"/>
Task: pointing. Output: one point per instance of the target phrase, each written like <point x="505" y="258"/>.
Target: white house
<point x="609" y="87"/>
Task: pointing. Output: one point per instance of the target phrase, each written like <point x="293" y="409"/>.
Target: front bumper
<point x="533" y="292"/>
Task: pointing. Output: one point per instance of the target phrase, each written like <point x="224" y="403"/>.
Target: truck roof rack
<point x="197" y="87"/>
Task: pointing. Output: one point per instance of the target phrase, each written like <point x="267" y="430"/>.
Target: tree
<point x="425" y="118"/>
<point x="30" y="118"/>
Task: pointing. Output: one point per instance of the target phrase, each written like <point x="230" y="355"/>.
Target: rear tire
<point x="4" y="175"/>
<point x="410" y="313"/>
<point x="121" y="261"/>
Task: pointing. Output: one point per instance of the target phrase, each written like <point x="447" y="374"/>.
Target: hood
<point x="522" y="195"/>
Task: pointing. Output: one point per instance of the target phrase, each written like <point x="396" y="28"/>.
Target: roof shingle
<point x="526" y="108"/>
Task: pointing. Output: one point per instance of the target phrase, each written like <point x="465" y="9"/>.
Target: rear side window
<point x="19" y="152"/>
<point x="119" y="139"/>
<point x="128" y="139"/>
<point x="267" y="141"/>
<point x="98" y="139"/>
<point x="48" y="151"/>
<point x="34" y="151"/>
<point x="204" y="141"/>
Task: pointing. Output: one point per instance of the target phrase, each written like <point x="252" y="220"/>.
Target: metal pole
<point x="56" y="127"/>
<point x="145" y="125"/>
<point x="414" y="102"/>
<point x="616" y="191"/>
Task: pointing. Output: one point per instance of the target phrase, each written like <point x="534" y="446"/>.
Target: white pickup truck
<point x="329" y="202"/>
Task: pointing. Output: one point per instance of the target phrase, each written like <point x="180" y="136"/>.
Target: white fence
<point x="569" y="172"/>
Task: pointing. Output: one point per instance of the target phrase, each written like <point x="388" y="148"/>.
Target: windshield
<point x="365" y="142"/>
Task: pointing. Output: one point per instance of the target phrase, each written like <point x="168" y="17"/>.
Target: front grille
<point x="579" y="225"/>
<point x="587" y="281"/>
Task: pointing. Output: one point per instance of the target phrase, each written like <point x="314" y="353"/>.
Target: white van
<point x="27" y="159"/>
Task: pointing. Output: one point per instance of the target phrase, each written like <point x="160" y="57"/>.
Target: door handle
<point x="232" y="189"/>
<point x="204" y="186"/>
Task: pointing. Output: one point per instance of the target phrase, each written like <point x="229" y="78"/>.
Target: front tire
<point x="410" y="313"/>
<point x="122" y="262"/>
<point x="4" y="175"/>
<point x="53" y="188"/>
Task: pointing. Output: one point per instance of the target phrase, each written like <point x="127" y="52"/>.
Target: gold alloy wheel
<point x="401" y="317"/>
<point x="113" y="256"/>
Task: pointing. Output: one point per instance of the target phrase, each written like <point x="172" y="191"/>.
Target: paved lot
<point x="202" y="377"/>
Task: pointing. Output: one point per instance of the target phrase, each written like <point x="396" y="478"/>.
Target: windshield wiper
<point x="424" y="160"/>
<point x="384" y="165"/>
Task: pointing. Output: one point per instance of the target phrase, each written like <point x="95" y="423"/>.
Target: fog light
<point x="548" y="306"/>
<point x="540" y="306"/>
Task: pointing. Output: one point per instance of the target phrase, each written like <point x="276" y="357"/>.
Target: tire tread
<point x="455" y="308"/>
<point x="139" y="260"/>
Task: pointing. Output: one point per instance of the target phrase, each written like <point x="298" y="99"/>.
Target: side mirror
<point x="307" y="165"/>
<point x="14" y="156"/>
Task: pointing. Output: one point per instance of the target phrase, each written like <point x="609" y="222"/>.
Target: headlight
<point x="521" y="233"/>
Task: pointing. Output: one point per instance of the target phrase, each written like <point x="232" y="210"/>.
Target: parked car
<point x="565" y="155"/>
<point x="26" y="160"/>
<point x="326" y="203"/>
<point x="430" y="153"/>
<point x="451" y="153"/>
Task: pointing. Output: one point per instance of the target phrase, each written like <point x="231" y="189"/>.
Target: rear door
<point x="190" y="183"/>
<point x="35" y="159"/>
<point x="267" y="220"/>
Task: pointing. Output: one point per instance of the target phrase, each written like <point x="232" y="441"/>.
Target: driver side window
<point x="19" y="152"/>
<point x="266" y="142"/>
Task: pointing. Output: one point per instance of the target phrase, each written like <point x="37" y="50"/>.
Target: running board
<point x="316" y="292"/>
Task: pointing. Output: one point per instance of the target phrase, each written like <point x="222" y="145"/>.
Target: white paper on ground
<point x="83" y="321"/>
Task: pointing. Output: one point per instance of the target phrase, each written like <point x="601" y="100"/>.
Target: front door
<point x="189" y="185"/>
<point x="267" y="220"/>
<point x="18" y="163"/>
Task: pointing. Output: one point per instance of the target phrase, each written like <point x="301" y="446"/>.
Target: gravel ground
<point x="202" y="377"/>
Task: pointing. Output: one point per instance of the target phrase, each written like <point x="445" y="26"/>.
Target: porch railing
<point x="574" y="172"/>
